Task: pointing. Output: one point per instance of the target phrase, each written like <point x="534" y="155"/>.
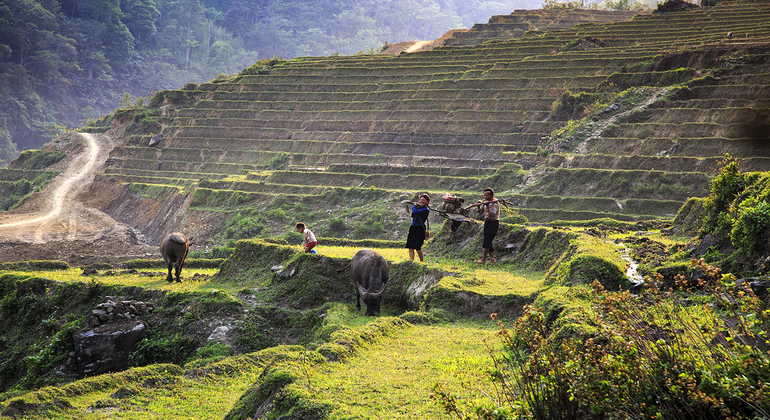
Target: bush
<point x="279" y="161"/>
<point x="369" y="228"/>
<point x="572" y="105"/>
<point x="649" y="357"/>
<point x="240" y="227"/>
<point x="737" y="213"/>
<point x="749" y="230"/>
<point x="727" y="185"/>
<point x="162" y="348"/>
<point x="276" y="214"/>
<point x="336" y="227"/>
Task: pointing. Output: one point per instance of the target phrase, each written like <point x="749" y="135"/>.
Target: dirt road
<point x="55" y="224"/>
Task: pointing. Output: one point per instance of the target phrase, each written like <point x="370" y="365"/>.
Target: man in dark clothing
<point x="490" y="211"/>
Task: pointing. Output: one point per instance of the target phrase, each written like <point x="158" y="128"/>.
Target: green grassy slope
<point x="296" y="332"/>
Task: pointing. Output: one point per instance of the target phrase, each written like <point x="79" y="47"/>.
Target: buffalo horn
<point x="382" y="289"/>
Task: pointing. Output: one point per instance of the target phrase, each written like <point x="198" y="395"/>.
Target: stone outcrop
<point x="113" y="333"/>
<point x="105" y="348"/>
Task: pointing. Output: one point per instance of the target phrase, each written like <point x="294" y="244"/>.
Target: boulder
<point x="105" y="348"/>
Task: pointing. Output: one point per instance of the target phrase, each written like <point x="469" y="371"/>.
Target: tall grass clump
<point x="694" y="351"/>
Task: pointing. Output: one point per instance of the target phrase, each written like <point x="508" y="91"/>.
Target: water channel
<point x="631" y="270"/>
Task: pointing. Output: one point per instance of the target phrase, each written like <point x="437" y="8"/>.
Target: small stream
<point x="631" y="271"/>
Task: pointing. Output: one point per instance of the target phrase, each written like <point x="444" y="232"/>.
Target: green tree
<point x="8" y="150"/>
<point x="140" y="18"/>
<point x="220" y="55"/>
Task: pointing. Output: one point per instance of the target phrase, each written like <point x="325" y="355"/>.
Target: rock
<point x="105" y="348"/>
<point x="219" y="334"/>
<point x="760" y="287"/>
<point x="673" y="6"/>
<point x="116" y="308"/>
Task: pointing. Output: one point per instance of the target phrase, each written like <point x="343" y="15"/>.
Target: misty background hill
<point x="64" y="62"/>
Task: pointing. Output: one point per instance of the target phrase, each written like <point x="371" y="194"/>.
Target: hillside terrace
<point x="454" y="118"/>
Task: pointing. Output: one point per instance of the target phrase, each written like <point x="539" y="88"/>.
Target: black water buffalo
<point x="174" y="248"/>
<point x="370" y="277"/>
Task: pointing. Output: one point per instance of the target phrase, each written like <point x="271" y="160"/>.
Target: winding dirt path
<point x="56" y="212"/>
<point x="70" y="179"/>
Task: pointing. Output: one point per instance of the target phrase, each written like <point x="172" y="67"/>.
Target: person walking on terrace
<point x="308" y="239"/>
<point x="490" y="212"/>
<point x="418" y="230"/>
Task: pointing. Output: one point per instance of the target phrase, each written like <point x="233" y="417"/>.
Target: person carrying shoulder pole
<point x="490" y="211"/>
<point x="308" y="239"/>
<point x="418" y="230"/>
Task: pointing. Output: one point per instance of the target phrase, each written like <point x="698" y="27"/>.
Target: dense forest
<point x="63" y="62"/>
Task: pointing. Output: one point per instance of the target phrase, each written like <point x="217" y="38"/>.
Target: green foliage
<point x="218" y="253"/>
<point x="13" y="192"/>
<point x="276" y="214"/>
<point x="40" y="365"/>
<point x="371" y="227"/>
<point x="555" y="4"/>
<point x="737" y="211"/>
<point x="728" y="183"/>
<point x="279" y="161"/>
<point x="336" y="227"/>
<point x="750" y="227"/>
<point x="159" y="263"/>
<point x="652" y="356"/>
<point x="130" y="102"/>
<point x="625" y="5"/>
<point x="37" y="319"/>
<point x="162" y="346"/>
<point x="38" y="159"/>
<point x="144" y="120"/>
<point x="211" y="352"/>
<point x="8" y="150"/>
<point x="240" y="227"/>
<point x="293" y="237"/>
<point x="261" y="67"/>
<point x="570" y="106"/>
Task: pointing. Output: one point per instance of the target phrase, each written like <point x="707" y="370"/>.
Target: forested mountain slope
<point x="64" y="62"/>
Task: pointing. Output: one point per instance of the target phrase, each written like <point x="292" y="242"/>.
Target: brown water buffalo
<point x="174" y="248"/>
<point x="370" y="277"/>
